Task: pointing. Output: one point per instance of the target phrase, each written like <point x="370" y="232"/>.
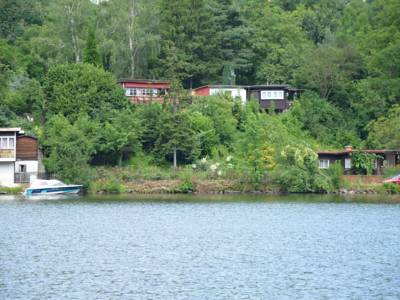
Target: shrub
<point x="335" y="172"/>
<point x="186" y="185"/>
<point x="363" y="163"/>
<point x="389" y="188"/>
<point x="108" y="186"/>
<point x="297" y="171"/>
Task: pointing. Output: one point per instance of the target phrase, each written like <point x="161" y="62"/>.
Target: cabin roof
<point x="220" y="86"/>
<point x="10" y="129"/>
<point x="341" y="152"/>
<point x="269" y="86"/>
<point x="273" y="86"/>
<point x="27" y="136"/>
<point x="124" y="80"/>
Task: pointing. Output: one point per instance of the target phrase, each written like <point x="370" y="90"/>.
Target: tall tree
<point x="277" y="41"/>
<point x="188" y="27"/>
<point x="91" y="53"/>
<point x="75" y="89"/>
<point x="233" y="41"/>
<point x="127" y="31"/>
<point x="16" y="16"/>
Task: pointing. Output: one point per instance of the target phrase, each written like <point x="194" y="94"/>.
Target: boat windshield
<point x="46" y="183"/>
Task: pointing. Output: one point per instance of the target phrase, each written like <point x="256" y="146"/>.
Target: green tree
<point x="73" y="89"/>
<point x="234" y="55"/>
<point x="69" y="148"/>
<point x="219" y="110"/>
<point x="16" y="15"/>
<point x="324" y="121"/>
<point x="204" y="132"/>
<point x="120" y="136"/>
<point x="188" y="29"/>
<point x="277" y="41"/>
<point x="176" y="135"/>
<point x="91" y="54"/>
<point x="329" y="70"/>
<point x="385" y="131"/>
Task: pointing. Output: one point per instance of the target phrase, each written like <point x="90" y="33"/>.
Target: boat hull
<point x="74" y="189"/>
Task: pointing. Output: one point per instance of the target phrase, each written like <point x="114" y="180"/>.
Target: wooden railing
<point x="22" y="177"/>
<point x="25" y="177"/>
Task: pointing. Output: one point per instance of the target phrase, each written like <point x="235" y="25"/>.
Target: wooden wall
<point x="27" y="148"/>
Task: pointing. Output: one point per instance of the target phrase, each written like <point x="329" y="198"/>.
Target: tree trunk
<point x="175" y="161"/>
<point x="120" y="159"/>
<point x="175" y="108"/>
<point x="131" y="36"/>
<point x="71" y="11"/>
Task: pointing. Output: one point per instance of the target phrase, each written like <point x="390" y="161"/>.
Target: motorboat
<point x="51" y="187"/>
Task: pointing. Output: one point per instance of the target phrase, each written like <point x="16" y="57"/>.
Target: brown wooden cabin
<point x="386" y="158"/>
<point x="27" y="148"/>
<point x="281" y="97"/>
<point x="27" y="159"/>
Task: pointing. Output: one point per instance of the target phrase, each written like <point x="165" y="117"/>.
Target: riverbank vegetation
<point x="60" y="61"/>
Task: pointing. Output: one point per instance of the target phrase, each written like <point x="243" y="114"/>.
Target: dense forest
<point x="60" y="61"/>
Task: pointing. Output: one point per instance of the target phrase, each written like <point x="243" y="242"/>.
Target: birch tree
<point x="129" y="33"/>
<point x="72" y="9"/>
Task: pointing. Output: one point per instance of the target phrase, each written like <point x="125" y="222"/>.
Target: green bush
<point x="108" y="186"/>
<point x="186" y="186"/>
<point x="297" y="171"/>
<point x="363" y="163"/>
<point x="389" y="188"/>
<point x="335" y="173"/>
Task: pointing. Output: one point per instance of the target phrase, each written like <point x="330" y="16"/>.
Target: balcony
<point x="7" y="155"/>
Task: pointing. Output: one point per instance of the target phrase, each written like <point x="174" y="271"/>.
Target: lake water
<point x="159" y="247"/>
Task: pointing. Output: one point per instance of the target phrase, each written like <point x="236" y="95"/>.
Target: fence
<point x="27" y="177"/>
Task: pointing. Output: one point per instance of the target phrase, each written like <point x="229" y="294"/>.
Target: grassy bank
<point x="156" y="180"/>
<point x="11" y="190"/>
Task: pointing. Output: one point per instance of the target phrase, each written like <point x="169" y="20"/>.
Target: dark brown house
<point x="280" y="97"/>
<point x="385" y="158"/>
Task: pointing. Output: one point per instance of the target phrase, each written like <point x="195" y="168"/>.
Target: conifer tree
<point x="91" y="52"/>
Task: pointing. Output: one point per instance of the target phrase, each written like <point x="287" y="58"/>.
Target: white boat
<point x="51" y="187"/>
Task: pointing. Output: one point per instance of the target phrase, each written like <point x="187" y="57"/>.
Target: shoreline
<point x="209" y="187"/>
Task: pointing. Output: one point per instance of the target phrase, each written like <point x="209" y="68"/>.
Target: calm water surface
<point x="199" y="248"/>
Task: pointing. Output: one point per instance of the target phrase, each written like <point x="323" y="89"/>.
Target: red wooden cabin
<point x="145" y="91"/>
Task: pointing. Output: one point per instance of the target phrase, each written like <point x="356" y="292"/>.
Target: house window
<point x="7" y="142"/>
<point x="347" y="163"/>
<point x="133" y="92"/>
<point x="324" y="163"/>
<point x="272" y="95"/>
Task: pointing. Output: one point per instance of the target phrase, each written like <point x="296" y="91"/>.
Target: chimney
<point x="348" y="148"/>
